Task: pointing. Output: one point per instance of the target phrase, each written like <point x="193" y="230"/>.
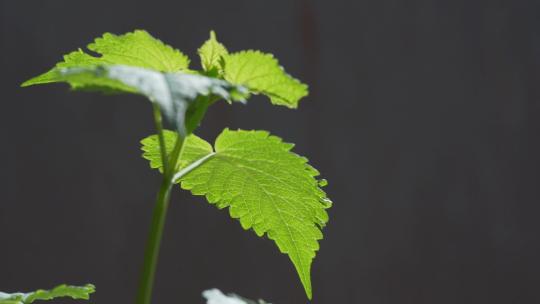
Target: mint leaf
<point x="211" y="53"/>
<point x="266" y="186"/>
<point x="173" y="92"/>
<point x="74" y="292"/>
<point x="140" y="49"/>
<point x="137" y="49"/>
<point x="261" y="73"/>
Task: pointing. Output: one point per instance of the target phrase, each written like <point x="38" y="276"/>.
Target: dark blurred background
<point x="423" y="115"/>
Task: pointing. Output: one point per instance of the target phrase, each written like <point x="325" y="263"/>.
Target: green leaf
<point x="261" y="73"/>
<point x="266" y="186"/>
<point x="140" y="49"/>
<point x="211" y="53"/>
<point x="74" y="292"/>
<point x="173" y="92"/>
<point x="137" y="49"/>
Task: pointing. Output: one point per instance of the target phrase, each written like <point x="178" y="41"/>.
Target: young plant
<point x="266" y="187"/>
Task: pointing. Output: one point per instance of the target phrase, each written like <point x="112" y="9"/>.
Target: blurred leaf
<point x="74" y="292"/>
<point x="173" y="92"/>
<point x="215" y="296"/>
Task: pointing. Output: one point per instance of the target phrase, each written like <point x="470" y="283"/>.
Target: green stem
<point x="154" y="240"/>
<point x="159" y="128"/>
<point x="151" y="254"/>
<point x="175" y="155"/>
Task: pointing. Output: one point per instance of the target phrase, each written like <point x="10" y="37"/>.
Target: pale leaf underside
<point x="138" y="63"/>
<point x="173" y="92"/>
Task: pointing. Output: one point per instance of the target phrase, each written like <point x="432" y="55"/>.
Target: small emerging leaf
<point x="261" y="73"/>
<point x="266" y="186"/>
<point x="74" y="292"/>
<point x="211" y="53"/>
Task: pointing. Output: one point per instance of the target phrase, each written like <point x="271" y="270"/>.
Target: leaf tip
<point x="305" y="278"/>
<point x="27" y="83"/>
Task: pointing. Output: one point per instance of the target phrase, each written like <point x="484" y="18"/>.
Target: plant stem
<point x="144" y="295"/>
<point x="159" y="128"/>
<point x="154" y="240"/>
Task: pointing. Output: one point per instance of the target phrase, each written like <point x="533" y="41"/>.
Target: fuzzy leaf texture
<point x="261" y="73"/>
<point x="74" y="292"/>
<point x="266" y="186"/>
